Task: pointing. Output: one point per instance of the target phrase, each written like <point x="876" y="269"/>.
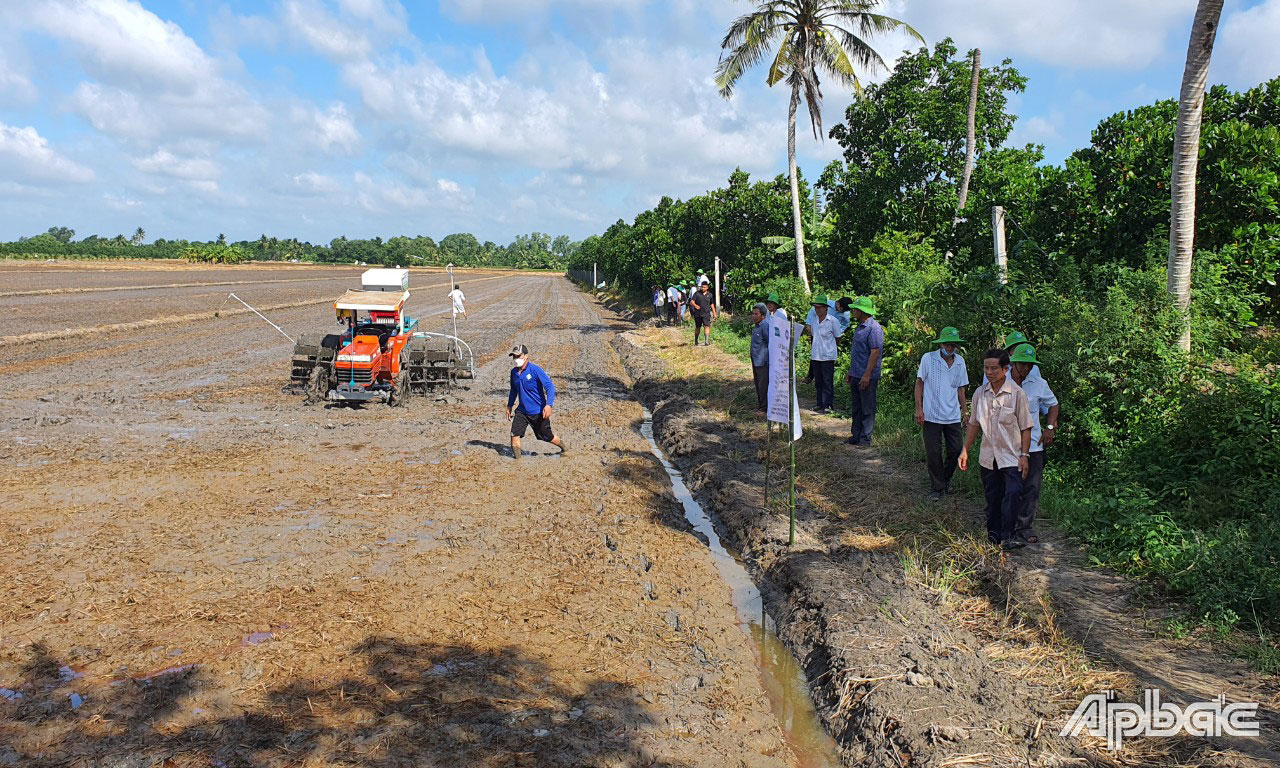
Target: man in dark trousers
<point x="1003" y="418"/>
<point x="760" y="355"/>
<point x="864" y="370"/>
<point x="537" y="394"/>
<point x="704" y="311"/>
<point x="941" y="381"/>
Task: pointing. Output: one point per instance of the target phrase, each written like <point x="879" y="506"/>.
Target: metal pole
<point x="1002" y="256"/>
<point x="594" y="281"/>
<point x="259" y="314"/>
<point x="791" y="435"/>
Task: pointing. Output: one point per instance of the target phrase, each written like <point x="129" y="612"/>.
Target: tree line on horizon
<point x="536" y="250"/>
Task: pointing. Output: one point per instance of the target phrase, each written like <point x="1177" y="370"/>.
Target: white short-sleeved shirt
<point x="825" y="333"/>
<point x="457" y="296"/>
<point x="1039" y="400"/>
<point x="673" y="295"/>
<point x="939" y="400"/>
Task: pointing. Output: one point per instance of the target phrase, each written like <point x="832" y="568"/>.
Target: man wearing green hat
<point x="941" y="407"/>
<point x="864" y="370"/>
<point x="774" y="305"/>
<point x="1025" y="370"/>
<point x="673" y="303"/>
<point x="824" y="330"/>
<point x="1011" y="342"/>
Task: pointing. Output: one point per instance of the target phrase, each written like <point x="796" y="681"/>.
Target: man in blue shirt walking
<point x="864" y="371"/>
<point x="537" y="394"/>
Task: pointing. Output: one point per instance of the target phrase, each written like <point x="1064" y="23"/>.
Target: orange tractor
<point x="380" y="357"/>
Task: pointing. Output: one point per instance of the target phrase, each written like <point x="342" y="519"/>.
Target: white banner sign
<point x="781" y="331"/>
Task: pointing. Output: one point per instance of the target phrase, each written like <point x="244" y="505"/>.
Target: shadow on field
<point x="414" y="704"/>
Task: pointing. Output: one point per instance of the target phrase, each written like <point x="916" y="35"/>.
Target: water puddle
<point x="781" y="674"/>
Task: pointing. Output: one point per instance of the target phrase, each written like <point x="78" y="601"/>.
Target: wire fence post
<point x="1002" y="255"/>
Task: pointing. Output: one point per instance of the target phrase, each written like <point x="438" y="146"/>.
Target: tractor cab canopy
<point x="378" y="308"/>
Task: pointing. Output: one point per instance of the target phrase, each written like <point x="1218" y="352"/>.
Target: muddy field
<point x="200" y="570"/>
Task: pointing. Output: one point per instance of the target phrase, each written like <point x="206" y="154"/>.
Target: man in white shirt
<point x="673" y="303"/>
<point x="824" y="330"/>
<point x="1025" y="370"/>
<point x="457" y="296"/>
<point x="941" y="381"/>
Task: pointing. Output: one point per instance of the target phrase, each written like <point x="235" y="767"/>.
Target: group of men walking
<point x="679" y="301"/>
<point x="1006" y="409"/>
<point x="827" y="322"/>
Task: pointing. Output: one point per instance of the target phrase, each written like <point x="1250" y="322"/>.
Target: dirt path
<point x="200" y="570"/>
<point x="856" y="511"/>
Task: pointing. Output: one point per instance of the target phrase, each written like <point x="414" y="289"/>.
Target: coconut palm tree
<point x="812" y="35"/>
<point x="1186" y="156"/>
<point x="139" y="235"/>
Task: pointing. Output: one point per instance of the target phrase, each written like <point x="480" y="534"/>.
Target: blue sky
<point x="319" y="118"/>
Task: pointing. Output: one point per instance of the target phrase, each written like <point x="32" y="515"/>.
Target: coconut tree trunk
<point x="1186" y="155"/>
<point x="971" y="139"/>
<point x="795" y="187"/>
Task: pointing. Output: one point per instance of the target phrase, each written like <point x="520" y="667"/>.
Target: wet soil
<point x="201" y="570"/>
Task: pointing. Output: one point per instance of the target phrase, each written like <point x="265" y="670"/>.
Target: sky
<point x="320" y="118"/>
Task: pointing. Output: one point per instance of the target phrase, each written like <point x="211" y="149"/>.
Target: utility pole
<point x="1002" y="255"/>
<point x="717" y="283"/>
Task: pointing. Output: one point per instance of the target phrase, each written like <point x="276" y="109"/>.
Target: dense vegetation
<point x="1168" y="465"/>
<point x="533" y="251"/>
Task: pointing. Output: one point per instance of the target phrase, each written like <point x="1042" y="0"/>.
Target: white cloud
<point x="451" y="187"/>
<point x="28" y="157"/>
<point x="1076" y="34"/>
<point x="482" y="10"/>
<point x="151" y="79"/>
<point x="318" y="28"/>
<point x="332" y="130"/>
<point x="165" y="163"/>
<point x="313" y="183"/>
<point x="1246" y="52"/>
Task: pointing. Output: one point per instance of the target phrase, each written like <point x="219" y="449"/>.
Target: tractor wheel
<point x="318" y="385"/>
<point x="399" y="389"/>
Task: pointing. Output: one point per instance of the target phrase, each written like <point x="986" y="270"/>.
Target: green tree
<point x="62" y="234"/>
<point x="139" y="235"/>
<point x="812" y="35"/>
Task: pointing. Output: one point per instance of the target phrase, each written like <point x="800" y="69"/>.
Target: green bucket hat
<point x="949" y="335"/>
<point x="772" y="298"/>
<point x="864" y="304"/>
<point x="1024" y="353"/>
<point x="820" y="299"/>
<point x="1015" y="338"/>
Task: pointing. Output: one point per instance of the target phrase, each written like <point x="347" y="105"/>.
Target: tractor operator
<point x="537" y="394"/>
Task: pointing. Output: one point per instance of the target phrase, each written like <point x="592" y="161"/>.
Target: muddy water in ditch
<point x="781" y="674"/>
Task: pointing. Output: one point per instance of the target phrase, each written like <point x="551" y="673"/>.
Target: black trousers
<point x="761" y="375"/>
<point x="864" y="411"/>
<point x="940" y="470"/>
<point x="824" y="380"/>
<point x="1029" y="503"/>
<point x="671" y="311"/>
<point x="1003" y="489"/>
